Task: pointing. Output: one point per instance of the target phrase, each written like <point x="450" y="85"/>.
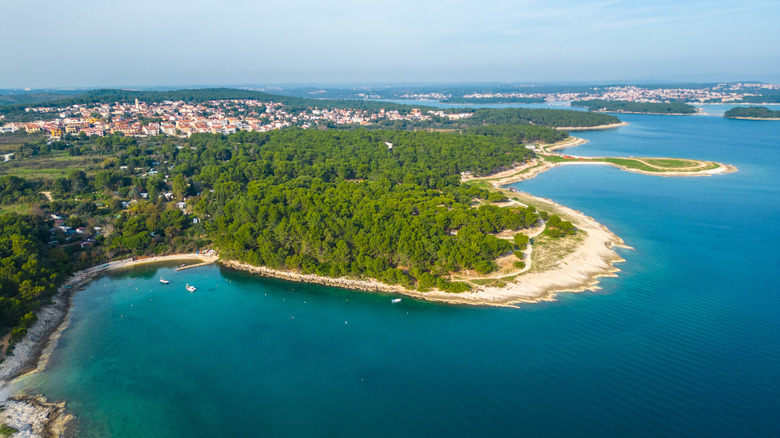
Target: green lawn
<point x="15" y="208"/>
<point x="671" y="162"/>
<point x="47" y="167"/>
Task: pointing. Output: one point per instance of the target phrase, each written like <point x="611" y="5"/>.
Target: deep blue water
<point x="685" y="342"/>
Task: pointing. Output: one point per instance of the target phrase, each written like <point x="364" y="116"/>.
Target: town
<point x="720" y="93"/>
<point x="141" y="119"/>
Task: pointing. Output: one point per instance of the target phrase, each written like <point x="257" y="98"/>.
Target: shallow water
<point x="683" y="343"/>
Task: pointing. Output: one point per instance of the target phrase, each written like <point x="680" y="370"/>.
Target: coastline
<point x="594" y="256"/>
<point x="535" y="167"/>
<point x="34" y="415"/>
<point x="770" y="119"/>
<point x="649" y="114"/>
<point x="591" y="128"/>
<point x="721" y="169"/>
<point x="578" y="271"/>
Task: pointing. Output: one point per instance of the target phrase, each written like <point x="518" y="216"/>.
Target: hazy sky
<point x="91" y="43"/>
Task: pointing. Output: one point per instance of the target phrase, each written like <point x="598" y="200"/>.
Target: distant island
<point x="752" y="113"/>
<point x="628" y="107"/>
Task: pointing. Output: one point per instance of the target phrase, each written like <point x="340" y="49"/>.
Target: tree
<point x="179" y="186"/>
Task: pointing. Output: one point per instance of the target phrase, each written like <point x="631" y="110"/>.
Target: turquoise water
<point x="685" y="342"/>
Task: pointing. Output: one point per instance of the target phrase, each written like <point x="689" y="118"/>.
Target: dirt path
<point x="699" y="165"/>
<point x="48" y="196"/>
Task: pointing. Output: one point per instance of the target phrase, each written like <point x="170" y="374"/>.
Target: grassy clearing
<point x="14" y="208"/>
<point x="671" y="163"/>
<point x="6" y="430"/>
<point x="47" y="167"/>
<point x="11" y="142"/>
<point x="479" y="183"/>
<point x="49" y="174"/>
<point x="630" y="164"/>
<point x="484" y="281"/>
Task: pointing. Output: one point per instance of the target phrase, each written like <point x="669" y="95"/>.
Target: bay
<point x="684" y="342"/>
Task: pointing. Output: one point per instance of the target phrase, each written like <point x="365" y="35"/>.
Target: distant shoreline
<point x="591" y="128"/>
<point x="770" y="119"/>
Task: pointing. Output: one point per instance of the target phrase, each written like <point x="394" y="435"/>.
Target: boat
<point x="395" y="300"/>
<point x="164" y="281"/>
<point x="190" y="288"/>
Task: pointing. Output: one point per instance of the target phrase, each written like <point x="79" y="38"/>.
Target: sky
<point x="145" y="43"/>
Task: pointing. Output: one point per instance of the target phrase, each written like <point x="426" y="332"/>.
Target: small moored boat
<point x="190" y="288"/>
<point x="395" y="300"/>
<point x="164" y="281"/>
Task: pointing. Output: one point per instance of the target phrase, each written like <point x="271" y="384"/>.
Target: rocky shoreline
<point x="34" y="416"/>
<point x="366" y="285"/>
<point x="579" y="271"/>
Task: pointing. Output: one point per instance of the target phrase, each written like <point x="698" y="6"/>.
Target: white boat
<point x="164" y="281"/>
<point x="190" y="288"/>
<point x="395" y="300"/>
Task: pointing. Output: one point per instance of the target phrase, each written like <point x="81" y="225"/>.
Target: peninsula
<point x="424" y="214"/>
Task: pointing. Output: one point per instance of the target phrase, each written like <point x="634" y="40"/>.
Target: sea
<point x="684" y="342"/>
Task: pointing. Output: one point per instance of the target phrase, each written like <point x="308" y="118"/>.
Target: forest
<point x="752" y="112"/>
<point x="622" y="106"/>
<point x="363" y="203"/>
<point x="538" y="116"/>
<point x="29" y="272"/>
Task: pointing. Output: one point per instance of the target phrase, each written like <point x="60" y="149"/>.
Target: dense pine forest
<point x="752" y="112"/>
<point x="620" y="106"/>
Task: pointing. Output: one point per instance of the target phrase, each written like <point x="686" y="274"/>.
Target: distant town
<point x="720" y="93"/>
<point x="181" y="119"/>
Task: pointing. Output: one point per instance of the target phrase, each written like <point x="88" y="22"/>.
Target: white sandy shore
<point x="755" y="118"/>
<point x="34" y="416"/>
<point x="591" y="128"/>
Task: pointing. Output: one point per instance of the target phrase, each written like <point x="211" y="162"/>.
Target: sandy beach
<point x="591" y="128"/>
